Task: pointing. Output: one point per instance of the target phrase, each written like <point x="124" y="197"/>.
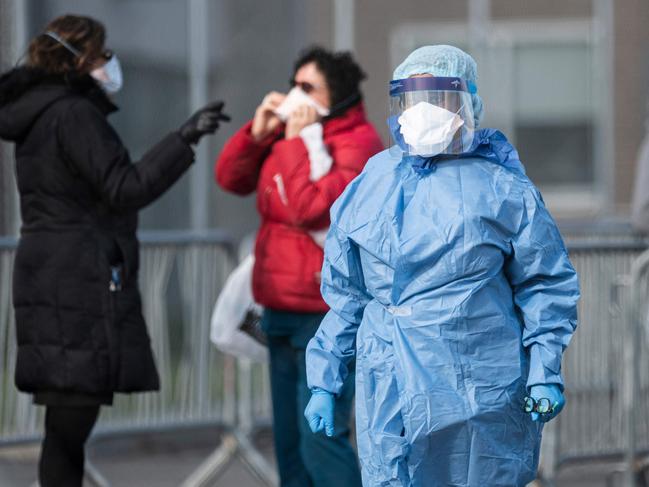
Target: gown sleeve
<point x="545" y="289"/>
<point x="343" y="288"/>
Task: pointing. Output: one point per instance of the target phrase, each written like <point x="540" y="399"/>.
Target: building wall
<point x="514" y="9"/>
<point x="631" y="91"/>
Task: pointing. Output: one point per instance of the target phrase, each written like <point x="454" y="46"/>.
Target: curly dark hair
<point x="84" y="34"/>
<point x="342" y="73"/>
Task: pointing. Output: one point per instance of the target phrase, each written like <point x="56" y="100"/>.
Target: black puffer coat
<point x="79" y="196"/>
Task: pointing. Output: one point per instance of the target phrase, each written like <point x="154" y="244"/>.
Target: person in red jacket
<point x="299" y="153"/>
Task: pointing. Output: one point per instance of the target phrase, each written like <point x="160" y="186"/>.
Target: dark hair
<point x="342" y="73"/>
<point x="84" y="34"/>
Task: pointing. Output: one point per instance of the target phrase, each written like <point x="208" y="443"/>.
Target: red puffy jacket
<point x="287" y="259"/>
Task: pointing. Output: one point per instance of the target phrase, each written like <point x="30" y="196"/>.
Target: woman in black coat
<point x="81" y="334"/>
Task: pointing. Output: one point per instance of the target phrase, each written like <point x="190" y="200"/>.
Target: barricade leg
<point x="237" y="441"/>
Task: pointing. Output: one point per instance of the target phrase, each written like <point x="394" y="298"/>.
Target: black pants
<point x="62" y="455"/>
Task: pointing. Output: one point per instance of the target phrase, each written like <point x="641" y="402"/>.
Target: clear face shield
<point x="431" y="116"/>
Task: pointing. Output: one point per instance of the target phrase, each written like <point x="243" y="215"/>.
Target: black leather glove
<point x="204" y="121"/>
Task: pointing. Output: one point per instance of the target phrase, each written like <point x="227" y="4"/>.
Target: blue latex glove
<point x="554" y="394"/>
<point x="320" y="411"/>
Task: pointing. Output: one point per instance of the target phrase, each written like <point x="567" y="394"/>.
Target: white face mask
<point x="295" y="98"/>
<point x="109" y="75"/>
<point x="428" y="129"/>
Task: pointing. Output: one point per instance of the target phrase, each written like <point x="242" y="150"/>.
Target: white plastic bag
<point x="230" y="310"/>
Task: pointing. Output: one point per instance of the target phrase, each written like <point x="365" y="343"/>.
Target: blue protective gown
<point x="448" y="280"/>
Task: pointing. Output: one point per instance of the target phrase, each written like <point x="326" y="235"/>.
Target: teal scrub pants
<point x="305" y="459"/>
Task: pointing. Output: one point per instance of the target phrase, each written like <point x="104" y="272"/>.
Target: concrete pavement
<point x="166" y="459"/>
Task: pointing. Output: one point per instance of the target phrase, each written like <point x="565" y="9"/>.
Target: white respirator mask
<point x="296" y="98"/>
<point x="428" y="129"/>
<point x="109" y="76"/>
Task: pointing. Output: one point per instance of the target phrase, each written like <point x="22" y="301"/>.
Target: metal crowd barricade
<point x="605" y="367"/>
<point x="636" y="374"/>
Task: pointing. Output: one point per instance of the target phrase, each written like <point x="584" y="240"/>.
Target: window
<point x="553" y="113"/>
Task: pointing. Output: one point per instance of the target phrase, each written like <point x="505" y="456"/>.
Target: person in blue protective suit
<point x="449" y="282"/>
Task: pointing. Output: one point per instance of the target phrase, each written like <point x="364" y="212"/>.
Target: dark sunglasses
<point x="303" y="85"/>
<point x="107" y="54"/>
